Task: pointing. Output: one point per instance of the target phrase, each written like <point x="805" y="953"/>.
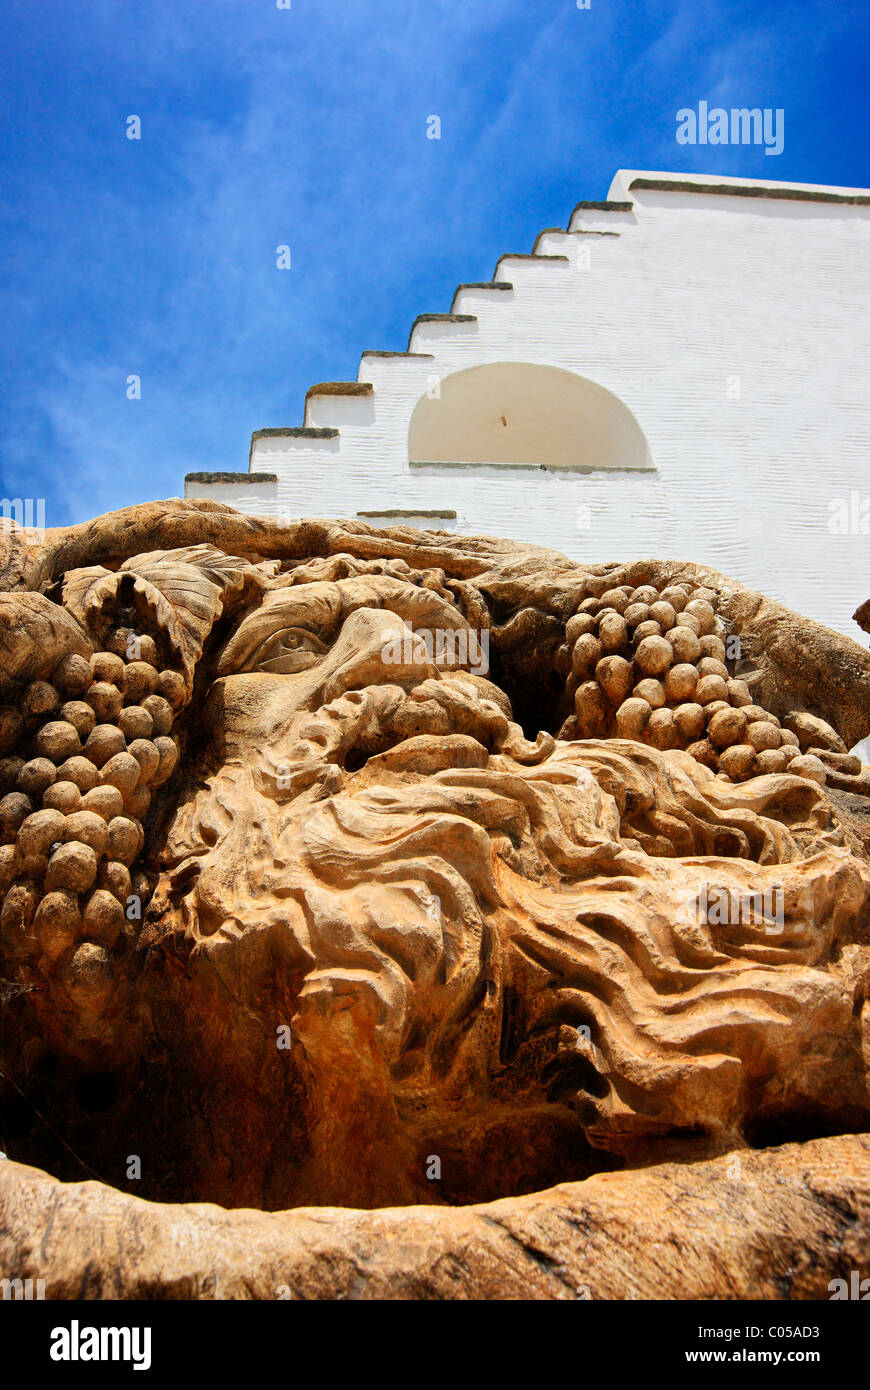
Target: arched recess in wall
<point x="524" y="413"/>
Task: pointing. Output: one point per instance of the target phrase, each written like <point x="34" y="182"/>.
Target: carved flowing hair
<point x="453" y="920"/>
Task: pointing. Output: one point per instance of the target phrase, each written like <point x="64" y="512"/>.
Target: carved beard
<point x="529" y="935"/>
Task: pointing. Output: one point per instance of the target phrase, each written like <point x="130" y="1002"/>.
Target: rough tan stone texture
<point x="775" y="1225"/>
<point x="359" y="868"/>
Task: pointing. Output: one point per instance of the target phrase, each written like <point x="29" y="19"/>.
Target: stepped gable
<point x="678" y="368"/>
<point x="362" y="388"/>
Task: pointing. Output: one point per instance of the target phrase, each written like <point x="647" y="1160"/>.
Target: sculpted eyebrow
<point x="314" y="618"/>
<point x="308" y="623"/>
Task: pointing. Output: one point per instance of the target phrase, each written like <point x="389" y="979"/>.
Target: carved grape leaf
<point x="184" y="591"/>
<point x="85" y="591"/>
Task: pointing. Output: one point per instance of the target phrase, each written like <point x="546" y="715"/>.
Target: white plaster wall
<point x="695" y="289"/>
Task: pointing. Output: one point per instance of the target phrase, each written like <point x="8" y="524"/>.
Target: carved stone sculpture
<point x="365" y="869"/>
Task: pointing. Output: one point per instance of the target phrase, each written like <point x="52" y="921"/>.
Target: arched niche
<point x="522" y="413"/>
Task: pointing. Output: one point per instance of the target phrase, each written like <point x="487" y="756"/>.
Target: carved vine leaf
<point x="184" y="591"/>
<point x="85" y="591"/>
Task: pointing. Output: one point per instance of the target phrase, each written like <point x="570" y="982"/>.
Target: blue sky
<point x="307" y="127"/>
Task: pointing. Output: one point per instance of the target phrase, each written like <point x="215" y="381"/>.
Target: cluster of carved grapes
<point x="84" y="752"/>
<point x="651" y="665"/>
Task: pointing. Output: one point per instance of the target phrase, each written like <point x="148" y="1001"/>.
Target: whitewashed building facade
<point x="682" y="372"/>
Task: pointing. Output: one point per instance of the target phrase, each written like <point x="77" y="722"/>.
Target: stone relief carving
<point x="296" y="899"/>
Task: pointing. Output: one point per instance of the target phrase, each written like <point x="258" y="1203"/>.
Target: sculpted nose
<point x="375" y="647"/>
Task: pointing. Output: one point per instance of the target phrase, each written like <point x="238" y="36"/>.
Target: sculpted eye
<point x="287" y="650"/>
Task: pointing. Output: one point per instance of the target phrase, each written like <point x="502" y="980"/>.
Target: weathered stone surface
<point x="775" y="1225"/>
<point x="359" y="868"/>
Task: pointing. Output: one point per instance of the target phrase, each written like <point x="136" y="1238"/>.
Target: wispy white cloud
<point x="307" y="127"/>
